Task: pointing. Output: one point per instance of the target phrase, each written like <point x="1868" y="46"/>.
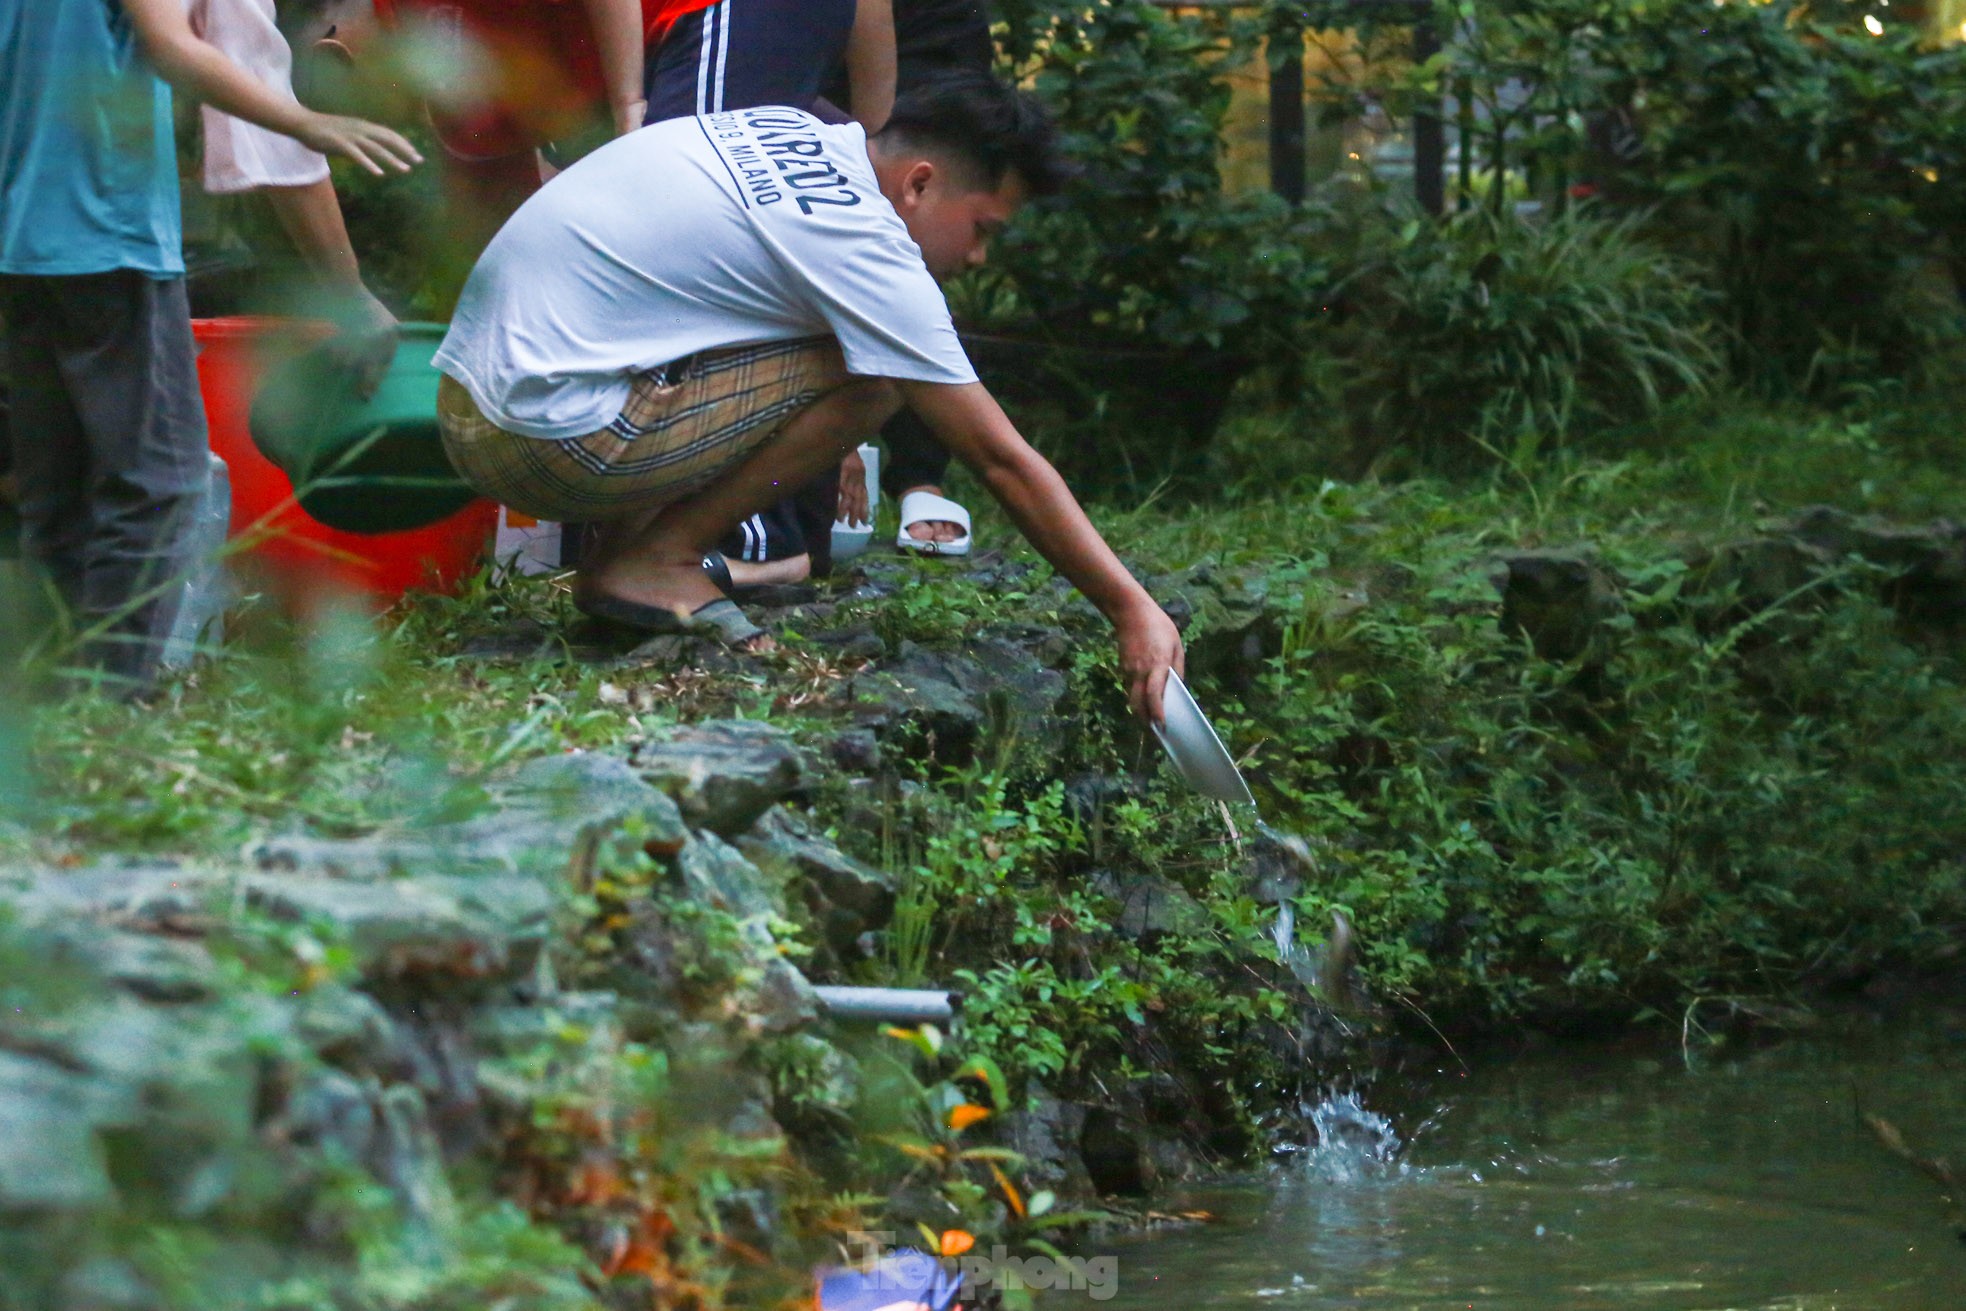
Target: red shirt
<point x="546" y="73"/>
<point x="658" y="16"/>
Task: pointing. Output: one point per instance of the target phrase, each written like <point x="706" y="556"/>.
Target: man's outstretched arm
<point x="968" y="420"/>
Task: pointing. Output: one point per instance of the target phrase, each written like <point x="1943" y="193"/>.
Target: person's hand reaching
<point x="1150" y="645"/>
<point x="369" y="144"/>
<point x="366" y="345"/>
<point x="853" y="490"/>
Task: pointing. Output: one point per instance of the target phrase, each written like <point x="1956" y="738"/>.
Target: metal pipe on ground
<point x="890" y="1005"/>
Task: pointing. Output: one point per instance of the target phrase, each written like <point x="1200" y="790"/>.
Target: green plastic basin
<point x="363" y="466"/>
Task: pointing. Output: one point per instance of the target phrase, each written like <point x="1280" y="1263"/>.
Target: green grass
<point x="1461" y="780"/>
<point x="1725" y="796"/>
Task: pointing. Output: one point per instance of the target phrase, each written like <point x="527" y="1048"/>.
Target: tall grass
<point x="1501" y="331"/>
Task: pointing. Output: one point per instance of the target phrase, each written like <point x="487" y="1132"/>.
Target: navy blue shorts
<point x="739" y="54"/>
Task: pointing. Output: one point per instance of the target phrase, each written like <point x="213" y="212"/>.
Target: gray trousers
<point x="109" y="447"/>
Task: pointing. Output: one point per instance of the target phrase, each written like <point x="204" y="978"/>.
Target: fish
<point x="1335" y="967"/>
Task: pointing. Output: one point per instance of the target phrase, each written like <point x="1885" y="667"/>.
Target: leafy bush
<point x="1135" y="301"/>
<point x="1813" y="171"/>
<point x="1742" y="781"/>
<point x="1516" y="332"/>
<point x="1144" y="248"/>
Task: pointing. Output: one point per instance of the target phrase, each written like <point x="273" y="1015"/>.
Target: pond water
<point x="1583" y="1179"/>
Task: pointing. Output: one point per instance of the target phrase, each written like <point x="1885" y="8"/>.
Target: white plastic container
<point x="850" y="539"/>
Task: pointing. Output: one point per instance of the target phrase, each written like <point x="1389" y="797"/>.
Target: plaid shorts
<point x="684" y="425"/>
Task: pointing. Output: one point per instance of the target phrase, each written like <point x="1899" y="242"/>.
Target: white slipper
<point x="927" y="507"/>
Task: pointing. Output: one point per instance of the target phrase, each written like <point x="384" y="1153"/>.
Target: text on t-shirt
<point x="773" y="153"/>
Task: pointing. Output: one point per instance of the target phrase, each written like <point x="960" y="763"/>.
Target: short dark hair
<point x="980" y="119"/>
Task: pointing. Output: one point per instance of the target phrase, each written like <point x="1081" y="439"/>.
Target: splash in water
<point x="1349" y="1143"/>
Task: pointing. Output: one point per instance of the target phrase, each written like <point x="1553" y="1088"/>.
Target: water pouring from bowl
<point x="1198" y="754"/>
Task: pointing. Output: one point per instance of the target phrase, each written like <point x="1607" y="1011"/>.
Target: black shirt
<point x="932" y="34"/>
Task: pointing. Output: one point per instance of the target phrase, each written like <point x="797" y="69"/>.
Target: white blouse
<point x="238" y="155"/>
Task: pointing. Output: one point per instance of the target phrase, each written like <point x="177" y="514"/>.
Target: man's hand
<point x="1149" y="645"/>
<point x="369" y="144"/>
<point x="853" y="490"/>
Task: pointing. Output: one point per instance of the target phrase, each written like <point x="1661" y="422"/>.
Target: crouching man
<point x="708" y="312"/>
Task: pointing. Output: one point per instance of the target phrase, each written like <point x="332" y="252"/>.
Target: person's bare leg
<point x="657" y="559"/>
<point x="756" y="573"/>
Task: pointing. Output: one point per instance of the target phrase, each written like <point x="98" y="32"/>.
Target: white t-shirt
<point x="238" y="155"/>
<point x="748" y="226"/>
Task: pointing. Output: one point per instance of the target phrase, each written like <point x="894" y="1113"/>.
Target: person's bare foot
<point x="673" y="583"/>
<point x="932" y="530"/>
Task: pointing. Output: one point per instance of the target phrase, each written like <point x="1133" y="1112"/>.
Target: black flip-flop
<point x="719" y="620"/>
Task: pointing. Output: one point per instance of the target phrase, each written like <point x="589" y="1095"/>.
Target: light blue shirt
<point x="88" y="166"/>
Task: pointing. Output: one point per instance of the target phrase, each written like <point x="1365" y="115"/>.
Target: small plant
<point x="929" y="1125"/>
<point x="627" y="1145"/>
<point x="974" y="848"/>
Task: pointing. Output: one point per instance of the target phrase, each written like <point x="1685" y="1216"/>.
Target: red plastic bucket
<point x="300" y="559"/>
